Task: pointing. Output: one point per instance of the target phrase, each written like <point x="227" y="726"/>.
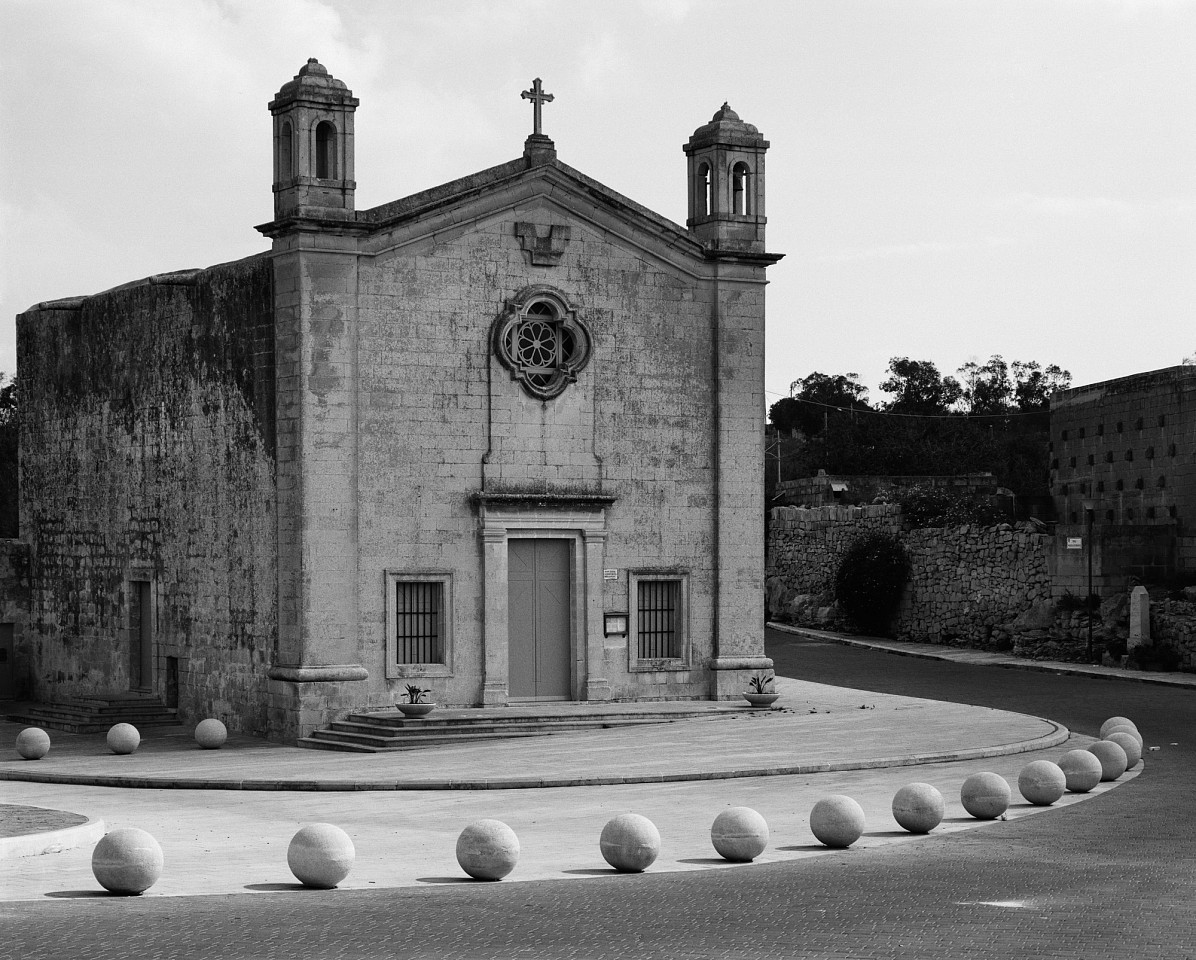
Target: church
<point x="501" y="439"/>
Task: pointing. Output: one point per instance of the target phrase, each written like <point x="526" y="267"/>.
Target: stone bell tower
<point x="313" y="145"/>
<point x="726" y="183"/>
<point x="726" y="215"/>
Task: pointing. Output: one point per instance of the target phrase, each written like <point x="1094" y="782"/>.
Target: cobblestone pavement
<point x="1113" y="877"/>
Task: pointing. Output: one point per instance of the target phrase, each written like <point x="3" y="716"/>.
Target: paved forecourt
<point x="404" y="811"/>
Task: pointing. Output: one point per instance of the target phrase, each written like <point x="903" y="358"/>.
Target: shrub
<point x="870" y="579"/>
<point x="1071" y="603"/>
<point x="1153" y="656"/>
<point x="932" y="507"/>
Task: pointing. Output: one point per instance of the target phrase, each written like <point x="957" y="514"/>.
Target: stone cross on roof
<point x="538" y="98"/>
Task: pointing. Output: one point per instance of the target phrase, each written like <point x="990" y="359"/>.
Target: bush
<point x="870" y="580"/>
<point x="932" y="507"/>
<point x="1153" y="656"/>
<point x="1071" y="603"/>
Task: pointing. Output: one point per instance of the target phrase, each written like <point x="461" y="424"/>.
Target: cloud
<point x="1058" y="206"/>
<point x="921" y="250"/>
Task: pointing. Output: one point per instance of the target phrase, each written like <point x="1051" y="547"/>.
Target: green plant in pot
<point x="415" y="704"/>
<point x="760" y="691"/>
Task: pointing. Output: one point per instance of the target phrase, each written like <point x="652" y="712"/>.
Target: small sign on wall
<point x="1075" y="543"/>
<point x="615" y="624"/>
<point x="609" y="574"/>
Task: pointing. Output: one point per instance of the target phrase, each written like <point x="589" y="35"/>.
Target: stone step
<point x="472" y="716"/>
<point x="337" y="740"/>
<point x="416" y="729"/>
<point x="389" y="730"/>
<point x="97" y="714"/>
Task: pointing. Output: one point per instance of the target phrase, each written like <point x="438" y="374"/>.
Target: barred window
<point x="418" y="615"/>
<point x="659" y="621"/>
<point x="657" y="612"/>
<point x="418" y="624"/>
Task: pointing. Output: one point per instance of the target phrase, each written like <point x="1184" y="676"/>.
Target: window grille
<point x="418" y="622"/>
<point x="658" y="619"/>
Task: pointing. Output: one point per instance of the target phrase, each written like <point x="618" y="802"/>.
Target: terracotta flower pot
<point x="415" y="709"/>
<point x="761" y="699"/>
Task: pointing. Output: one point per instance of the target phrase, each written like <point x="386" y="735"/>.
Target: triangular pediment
<point x="452" y="206"/>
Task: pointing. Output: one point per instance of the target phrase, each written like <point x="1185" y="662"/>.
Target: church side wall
<point x="147" y="454"/>
<point x="439" y="417"/>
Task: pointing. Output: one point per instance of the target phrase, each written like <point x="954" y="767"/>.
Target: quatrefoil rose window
<point x="544" y="344"/>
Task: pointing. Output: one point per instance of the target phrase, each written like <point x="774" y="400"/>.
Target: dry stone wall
<point x="963" y="580"/>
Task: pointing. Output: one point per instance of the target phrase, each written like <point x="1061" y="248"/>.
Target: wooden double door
<point x="538" y="625"/>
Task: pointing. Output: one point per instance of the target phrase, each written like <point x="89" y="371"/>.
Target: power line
<point x="923" y="416"/>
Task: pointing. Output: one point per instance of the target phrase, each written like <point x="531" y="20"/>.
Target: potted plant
<point x="761" y="693"/>
<point x="416" y="705"/>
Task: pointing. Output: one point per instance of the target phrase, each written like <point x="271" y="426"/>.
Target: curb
<point x="1011" y="663"/>
<point x="52" y="841"/>
<point x="1059" y="734"/>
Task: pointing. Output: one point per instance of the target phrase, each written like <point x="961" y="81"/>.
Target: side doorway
<point x="141" y="637"/>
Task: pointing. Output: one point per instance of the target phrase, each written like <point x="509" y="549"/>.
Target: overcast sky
<point x="948" y="178"/>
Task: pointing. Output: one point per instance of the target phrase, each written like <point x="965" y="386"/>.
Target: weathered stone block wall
<point x="963" y="580"/>
<point x="14" y="612"/>
<point x="1129" y="445"/>
<point x="441" y="420"/>
<point x="147" y="453"/>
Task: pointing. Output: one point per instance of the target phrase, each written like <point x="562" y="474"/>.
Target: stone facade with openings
<point x="501" y="438"/>
<point x="1126" y="449"/>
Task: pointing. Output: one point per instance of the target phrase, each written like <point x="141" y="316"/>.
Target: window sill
<point x="406" y="671"/>
<point x="654" y="666"/>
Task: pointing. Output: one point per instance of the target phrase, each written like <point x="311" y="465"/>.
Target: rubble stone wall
<point x="982" y="587"/>
<point x="963" y="580"/>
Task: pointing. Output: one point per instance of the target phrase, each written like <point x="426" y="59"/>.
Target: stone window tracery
<point x="543" y="342"/>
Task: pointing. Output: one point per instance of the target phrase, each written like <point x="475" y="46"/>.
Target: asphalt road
<point x="1111" y="877"/>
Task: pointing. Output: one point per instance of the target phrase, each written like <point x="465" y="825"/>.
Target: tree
<point x="919" y="388"/>
<point x="1033" y="386"/>
<point x="811" y="398"/>
<point x="9" y="432"/>
<point x="987" y="388"/>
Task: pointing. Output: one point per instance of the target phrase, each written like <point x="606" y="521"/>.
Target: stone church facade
<point x="500" y="439"/>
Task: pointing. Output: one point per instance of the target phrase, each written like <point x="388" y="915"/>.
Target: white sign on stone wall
<point x="1075" y="543"/>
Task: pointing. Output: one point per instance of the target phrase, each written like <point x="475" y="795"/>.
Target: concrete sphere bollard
<point x="630" y="843"/>
<point x="1108" y="725"/>
<point x="1081" y="769"/>
<point x="33" y="743"/>
<point x="1041" y="782"/>
<point x="837" y="821"/>
<point x="739" y="834"/>
<point x="127" y="861"/>
<point x="320" y="855"/>
<point x="1131" y="746"/>
<point x="985" y="795"/>
<point x="211" y="734"/>
<point x="918" y="807"/>
<point x="1129" y="731"/>
<point x="487" y="849"/>
<point x="123" y="738"/>
<point x="1112" y="759"/>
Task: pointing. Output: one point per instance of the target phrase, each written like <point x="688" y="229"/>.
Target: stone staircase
<point x="388" y="730"/>
<point x="96" y="714"/>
